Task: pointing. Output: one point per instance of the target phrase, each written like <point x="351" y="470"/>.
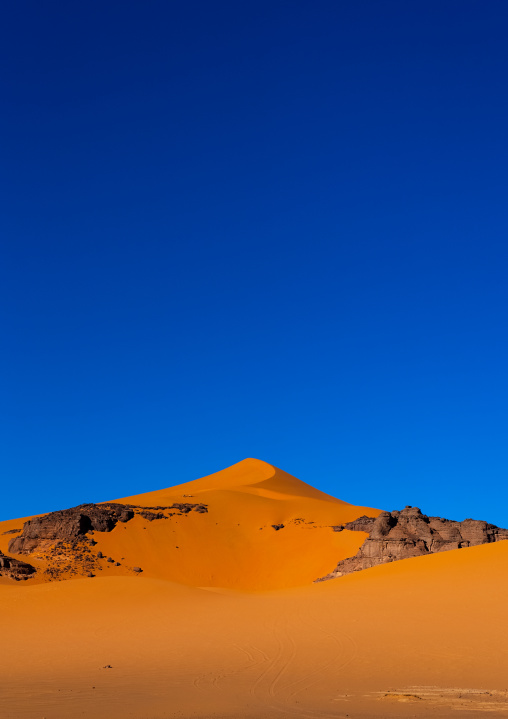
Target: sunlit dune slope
<point x="426" y="637"/>
<point x="234" y="544"/>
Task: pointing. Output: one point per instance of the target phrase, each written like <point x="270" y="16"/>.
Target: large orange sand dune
<point x="425" y="637"/>
<point x="234" y="545"/>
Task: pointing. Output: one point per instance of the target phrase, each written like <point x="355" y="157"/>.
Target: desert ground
<point x="225" y="619"/>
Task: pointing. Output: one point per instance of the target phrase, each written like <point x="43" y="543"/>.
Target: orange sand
<point x="423" y="637"/>
<point x="234" y="544"/>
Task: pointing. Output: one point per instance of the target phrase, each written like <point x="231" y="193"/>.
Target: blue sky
<point x="269" y="229"/>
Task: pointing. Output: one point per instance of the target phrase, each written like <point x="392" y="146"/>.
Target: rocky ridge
<point x="65" y="538"/>
<point x="68" y="524"/>
<point x="409" y="533"/>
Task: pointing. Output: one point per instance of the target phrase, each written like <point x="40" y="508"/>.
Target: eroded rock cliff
<point x="71" y="524"/>
<point x="409" y="533"/>
<point x="68" y="524"/>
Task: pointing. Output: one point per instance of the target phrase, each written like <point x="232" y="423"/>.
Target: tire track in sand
<point x="285" y="663"/>
<point x="272" y="662"/>
<point x="252" y="663"/>
<point x="347" y="647"/>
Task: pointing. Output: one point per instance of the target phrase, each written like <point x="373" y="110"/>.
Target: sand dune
<point x="234" y="545"/>
<point x="422" y="637"/>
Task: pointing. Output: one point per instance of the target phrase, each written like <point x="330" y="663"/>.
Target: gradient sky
<point x="267" y="229"/>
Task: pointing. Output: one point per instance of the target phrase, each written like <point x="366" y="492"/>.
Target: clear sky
<point x="268" y="229"/>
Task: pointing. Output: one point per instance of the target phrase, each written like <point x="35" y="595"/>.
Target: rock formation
<point x="362" y="524"/>
<point x="409" y="533"/>
<point x="15" y="568"/>
<point x="69" y="524"/>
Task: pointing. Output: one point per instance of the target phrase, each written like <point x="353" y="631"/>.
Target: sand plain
<point x="251" y="635"/>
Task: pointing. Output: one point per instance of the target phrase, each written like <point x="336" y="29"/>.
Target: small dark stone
<point x="110" y="560"/>
<point x="100" y="555"/>
<point x="137" y="569"/>
<point x="277" y="527"/>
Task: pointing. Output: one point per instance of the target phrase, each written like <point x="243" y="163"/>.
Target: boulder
<point x="15" y="568"/>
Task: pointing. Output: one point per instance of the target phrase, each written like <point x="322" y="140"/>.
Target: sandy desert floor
<point x="425" y="637"/>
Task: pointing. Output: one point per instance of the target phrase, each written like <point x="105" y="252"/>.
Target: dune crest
<point x="248" y="475"/>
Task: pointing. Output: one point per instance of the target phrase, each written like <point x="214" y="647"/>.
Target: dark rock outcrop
<point x="15" y="568"/>
<point x="362" y="524"/>
<point x="409" y="533"/>
<point x="186" y="508"/>
<point x="147" y="514"/>
<point x="68" y="524"/>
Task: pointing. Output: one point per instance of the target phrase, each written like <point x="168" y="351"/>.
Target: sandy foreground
<point x="425" y="637"/>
